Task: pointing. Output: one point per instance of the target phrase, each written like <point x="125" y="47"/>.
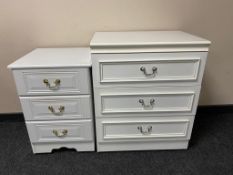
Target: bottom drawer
<point x="138" y="129"/>
<point x="60" y="131"/>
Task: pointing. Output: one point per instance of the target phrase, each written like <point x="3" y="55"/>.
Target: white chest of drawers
<point x="146" y="88"/>
<point x="54" y="87"/>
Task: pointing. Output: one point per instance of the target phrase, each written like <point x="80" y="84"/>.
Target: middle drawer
<point x="56" y="107"/>
<point x="150" y="101"/>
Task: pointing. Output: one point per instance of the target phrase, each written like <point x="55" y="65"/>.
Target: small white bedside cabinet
<point x="54" y="87"/>
<point x="146" y="88"/>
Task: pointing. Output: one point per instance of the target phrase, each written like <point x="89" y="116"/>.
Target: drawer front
<point x="157" y="68"/>
<point x="122" y="129"/>
<point x="52" y="81"/>
<point x="149" y="101"/>
<point x="60" y="131"/>
<point x="56" y="107"/>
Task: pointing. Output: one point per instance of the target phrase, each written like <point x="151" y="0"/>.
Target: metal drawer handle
<point x="55" y="85"/>
<point x="61" y="109"/>
<point x="154" y="70"/>
<point x="152" y="101"/>
<point x="61" y="133"/>
<point x="147" y="132"/>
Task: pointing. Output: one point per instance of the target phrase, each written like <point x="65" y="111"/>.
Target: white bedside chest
<point x="146" y="88"/>
<point x="54" y="87"/>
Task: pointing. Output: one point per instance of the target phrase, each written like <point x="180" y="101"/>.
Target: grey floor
<point x="210" y="153"/>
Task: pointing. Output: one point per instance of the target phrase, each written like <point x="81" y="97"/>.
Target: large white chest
<point x="146" y="88"/>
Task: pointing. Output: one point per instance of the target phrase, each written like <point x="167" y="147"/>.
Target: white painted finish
<point x="50" y="146"/>
<point x="142" y="145"/>
<point x="77" y="130"/>
<point x="146" y="41"/>
<point x="54" y="87"/>
<point x="54" y="58"/>
<point x="161" y="103"/>
<point x="72" y="81"/>
<point x="145" y="38"/>
<point x="170" y="49"/>
<point x="172" y="68"/>
<point x="127" y="129"/>
<point x="75" y="107"/>
<point x="168" y="101"/>
<point x="146" y="88"/>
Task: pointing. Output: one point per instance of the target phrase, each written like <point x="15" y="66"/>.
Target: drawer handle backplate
<point x="147" y="132"/>
<point x="152" y="101"/>
<point x="154" y="70"/>
<point x="61" y="110"/>
<point x="55" y="85"/>
<point x="60" y="133"/>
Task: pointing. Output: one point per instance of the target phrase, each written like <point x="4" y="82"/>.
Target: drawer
<point x="60" y="131"/>
<point x="52" y="81"/>
<point x="56" y="107"/>
<point x="149" y="101"/>
<point x="159" y="68"/>
<point x="126" y="129"/>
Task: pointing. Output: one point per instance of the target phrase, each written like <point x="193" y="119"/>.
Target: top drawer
<point x="52" y="81"/>
<point x="138" y="68"/>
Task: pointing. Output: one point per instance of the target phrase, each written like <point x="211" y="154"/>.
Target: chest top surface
<point x="54" y="58"/>
<point x="146" y="39"/>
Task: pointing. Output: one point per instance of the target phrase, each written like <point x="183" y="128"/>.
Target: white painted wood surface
<point x="54" y="58"/>
<point x="135" y="38"/>
<point x="75" y="107"/>
<point x="77" y="130"/>
<point x="173" y="65"/>
<point x="143" y="145"/>
<point x="50" y="146"/>
<point x="122" y="134"/>
<point x="146" y="41"/>
<point x="128" y="129"/>
<point x="72" y="81"/>
<point x="171" y="68"/>
<point x="54" y="85"/>
<point x="168" y="101"/>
